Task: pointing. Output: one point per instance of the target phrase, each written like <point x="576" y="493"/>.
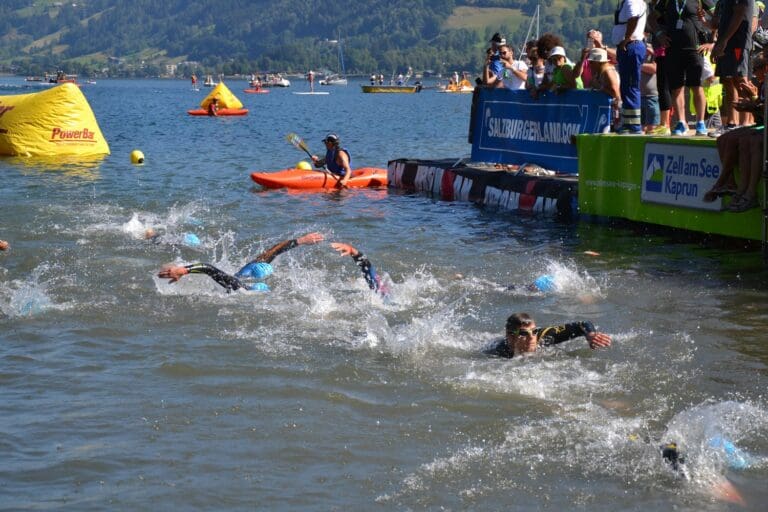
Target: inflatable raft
<point x="51" y="123"/>
<point x="319" y="180"/>
<point x="228" y="104"/>
<point x="220" y="112"/>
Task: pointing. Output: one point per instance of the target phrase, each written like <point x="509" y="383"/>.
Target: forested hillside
<point x="144" y="37"/>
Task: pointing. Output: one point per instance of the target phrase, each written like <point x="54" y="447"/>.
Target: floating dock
<point x="450" y="180"/>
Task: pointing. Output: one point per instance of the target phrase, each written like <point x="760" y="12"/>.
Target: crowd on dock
<point x="673" y="67"/>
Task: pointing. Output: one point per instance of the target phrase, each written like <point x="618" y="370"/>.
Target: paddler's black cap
<point x="331" y="137"/>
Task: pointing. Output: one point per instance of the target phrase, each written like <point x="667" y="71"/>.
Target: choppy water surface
<point x="123" y="392"/>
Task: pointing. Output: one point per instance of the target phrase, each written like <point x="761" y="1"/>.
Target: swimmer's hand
<point x="310" y="238"/>
<point x="4" y="246"/>
<point x="598" y="339"/>
<point x="345" y="249"/>
<point x="172" y="272"/>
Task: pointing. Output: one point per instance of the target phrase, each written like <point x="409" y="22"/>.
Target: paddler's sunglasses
<point x="528" y="333"/>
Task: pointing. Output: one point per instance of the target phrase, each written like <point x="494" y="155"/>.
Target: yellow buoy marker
<point x="137" y="157"/>
<point x="304" y="165"/>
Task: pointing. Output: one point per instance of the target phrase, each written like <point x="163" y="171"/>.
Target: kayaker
<point x="258" y="268"/>
<point x="369" y="273"/>
<point x="522" y="336"/>
<point x="336" y="159"/>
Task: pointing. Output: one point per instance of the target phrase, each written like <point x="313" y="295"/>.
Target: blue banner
<point x="510" y="127"/>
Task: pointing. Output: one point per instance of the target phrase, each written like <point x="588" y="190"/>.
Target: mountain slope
<point x="240" y="36"/>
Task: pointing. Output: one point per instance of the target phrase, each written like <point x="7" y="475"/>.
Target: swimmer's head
<point x="672" y="456"/>
<point x="259" y="287"/>
<point x="255" y="270"/>
<point x="191" y="239"/>
<point x="150" y="233"/>
<point x="544" y="283"/>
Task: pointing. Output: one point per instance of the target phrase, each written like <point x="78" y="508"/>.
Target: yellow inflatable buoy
<point x="304" y="165"/>
<point x="137" y="157"/>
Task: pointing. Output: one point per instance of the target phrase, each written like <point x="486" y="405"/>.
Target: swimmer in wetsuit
<point x="522" y="336"/>
<point x="258" y="268"/>
<point x="369" y="273"/>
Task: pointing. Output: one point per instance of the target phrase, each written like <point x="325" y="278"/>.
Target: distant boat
<point x="275" y="81"/>
<point x="333" y="80"/>
<point x="34" y="79"/>
<point x="337" y="79"/>
<point x="463" y="87"/>
<point x="62" y="78"/>
<point x="209" y="82"/>
<point x="395" y="86"/>
<point x="406" y="89"/>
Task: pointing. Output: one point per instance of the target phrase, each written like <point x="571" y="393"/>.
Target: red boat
<point x="219" y="113"/>
<point x="319" y="179"/>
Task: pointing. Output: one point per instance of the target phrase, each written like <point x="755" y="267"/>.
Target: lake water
<point x="122" y="392"/>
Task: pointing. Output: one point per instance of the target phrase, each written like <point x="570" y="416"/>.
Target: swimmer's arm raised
<point x="286" y="245"/>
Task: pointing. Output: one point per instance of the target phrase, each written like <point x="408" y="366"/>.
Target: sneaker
<point x="722" y="130"/>
<point x="660" y="130"/>
<point x="680" y="129"/>
<point x="630" y="129"/>
<point x="701" y="128"/>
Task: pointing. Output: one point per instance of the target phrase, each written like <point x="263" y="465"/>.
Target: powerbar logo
<point x="84" y="135"/>
<point x="532" y="131"/>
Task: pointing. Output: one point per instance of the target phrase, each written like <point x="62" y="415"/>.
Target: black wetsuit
<point x="547" y="336"/>
<point x="230" y="282"/>
<point x="369" y="273"/>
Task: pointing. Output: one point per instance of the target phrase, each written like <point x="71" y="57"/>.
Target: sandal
<point x="721" y="191"/>
<point x="742" y="204"/>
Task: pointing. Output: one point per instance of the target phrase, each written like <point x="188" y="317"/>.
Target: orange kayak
<point x="220" y="112"/>
<point x="308" y="180"/>
<point x="256" y="91"/>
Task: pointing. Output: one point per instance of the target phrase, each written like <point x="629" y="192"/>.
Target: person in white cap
<point x="564" y="76"/>
<point x="604" y="76"/>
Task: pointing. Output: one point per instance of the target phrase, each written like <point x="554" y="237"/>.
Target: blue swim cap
<point x="255" y="270"/>
<point x="734" y="456"/>
<point x="191" y="239"/>
<point x="545" y="283"/>
<point x="259" y="287"/>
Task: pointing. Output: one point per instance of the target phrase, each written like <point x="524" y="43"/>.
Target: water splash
<point x="26" y="298"/>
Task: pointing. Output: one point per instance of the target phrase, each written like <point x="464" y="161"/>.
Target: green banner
<point x="658" y="180"/>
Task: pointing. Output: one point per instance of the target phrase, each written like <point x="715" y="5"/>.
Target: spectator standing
<point x="684" y="64"/>
<point x="564" y="76"/>
<point x="629" y="26"/>
<point x="733" y="19"/>
<point x="515" y="72"/>
<point x="535" y="68"/>
<point x="544" y="46"/>
<point x="604" y="76"/>
<point x="650" y="115"/>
